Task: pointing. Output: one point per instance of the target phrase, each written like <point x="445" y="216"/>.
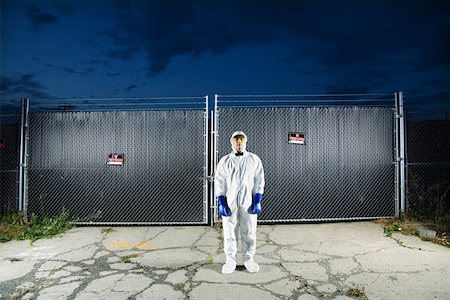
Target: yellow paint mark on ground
<point x="143" y="246"/>
<point x="124" y="244"/>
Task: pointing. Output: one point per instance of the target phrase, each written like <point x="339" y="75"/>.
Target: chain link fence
<point x="344" y="169"/>
<point x="428" y="164"/>
<point x="9" y="150"/>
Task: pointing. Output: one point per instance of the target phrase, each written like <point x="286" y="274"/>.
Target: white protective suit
<point x="238" y="178"/>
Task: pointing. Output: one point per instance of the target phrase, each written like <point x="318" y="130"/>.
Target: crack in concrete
<point x="205" y="231"/>
<point x="157" y="234"/>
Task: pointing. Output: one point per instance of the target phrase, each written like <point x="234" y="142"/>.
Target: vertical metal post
<point x="211" y="169"/>
<point x="206" y="163"/>
<point x="400" y="174"/>
<point x="402" y="153"/>
<point x="21" y="141"/>
<point x="215" y="153"/>
<point x="397" y="155"/>
<point x="23" y="157"/>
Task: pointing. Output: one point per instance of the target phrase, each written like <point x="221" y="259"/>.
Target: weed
<point x="403" y="225"/>
<point x="209" y="259"/>
<point x="127" y="258"/>
<point x="398" y="225"/>
<point x="356" y="292"/>
<point x="14" y="226"/>
<point x="218" y="227"/>
<point x="400" y="243"/>
<point x="390" y="229"/>
<point x="408" y="227"/>
<point x="108" y="230"/>
<point x="180" y="286"/>
<point x="11" y="226"/>
<point x="20" y="293"/>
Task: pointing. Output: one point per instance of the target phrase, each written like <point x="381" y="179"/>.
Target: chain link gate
<point x="345" y="170"/>
<point x="157" y="172"/>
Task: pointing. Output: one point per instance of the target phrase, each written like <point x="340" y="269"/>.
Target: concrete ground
<point x="304" y="261"/>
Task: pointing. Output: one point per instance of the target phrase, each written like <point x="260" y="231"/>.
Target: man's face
<point x="239" y="143"/>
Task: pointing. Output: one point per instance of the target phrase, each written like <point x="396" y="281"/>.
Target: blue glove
<point x="256" y="206"/>
<point x="224" y="210"/>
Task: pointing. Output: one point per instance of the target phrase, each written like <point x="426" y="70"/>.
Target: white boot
<point x="228" y="268"/>
<point x="251" y="266"/>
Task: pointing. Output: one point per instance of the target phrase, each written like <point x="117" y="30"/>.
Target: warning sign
<point x="296" y="138"/>
<point x="115" y="159"/>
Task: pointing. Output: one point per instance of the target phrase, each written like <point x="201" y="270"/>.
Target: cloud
<point x="102" y="63"/>
<point x="65" y="8"/>
<point x="110" y="74"/>
<point x="122" y="54"/>
<point x="39" y="18"/>
<point x="22" y="86"/>
<point x="164" y="30"/>
<point x="333" y="35"/>
<point x="83" y="71"/>
<point x="25" y="81"/>
<point x="131" y="87"/>
<point x="349" y="89"/>
<point x="430" y="101"/>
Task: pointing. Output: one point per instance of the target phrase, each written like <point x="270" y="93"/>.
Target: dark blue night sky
<point x="101" y="49"/>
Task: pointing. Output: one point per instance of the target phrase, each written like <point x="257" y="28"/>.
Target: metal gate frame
<point x="23" y="182"/>
<point x="395" y="101"/>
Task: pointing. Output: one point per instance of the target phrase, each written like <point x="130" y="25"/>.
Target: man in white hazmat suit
<point x="239" y="186"/>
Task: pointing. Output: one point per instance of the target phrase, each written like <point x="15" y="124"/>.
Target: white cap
<point x="237" y="133"/>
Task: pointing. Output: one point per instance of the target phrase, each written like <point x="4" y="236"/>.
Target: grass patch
<point x="402" y="225"/>
<point x="14" y="226"/>
<point x="405" y="227"/>
<point x="108" y="230"/>
<point x="127" y="258"/>
<point x="408" y="226"/>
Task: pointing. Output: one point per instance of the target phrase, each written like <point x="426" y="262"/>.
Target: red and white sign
<point x="296" y="138"/>
<point x="115" y="159"/>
